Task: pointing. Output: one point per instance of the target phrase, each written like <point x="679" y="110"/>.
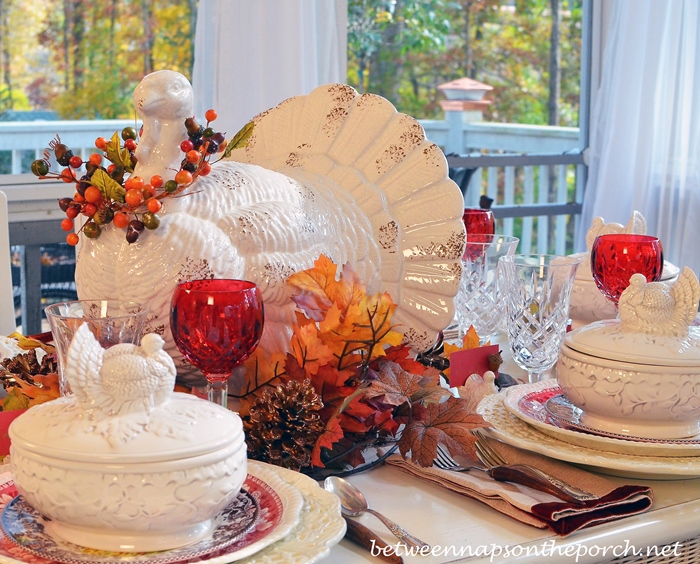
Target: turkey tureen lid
<point x="653" y="328"/>
<point x="605" y="339"/>
<point x="123" y="410"/>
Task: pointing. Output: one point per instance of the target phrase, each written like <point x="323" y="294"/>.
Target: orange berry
<point x="72" y="212"/>
<point x="67" y="175"/>
<point x="67" y="224"/>
<point x="96" y="159"/>
<point x="205" y="169"/>
<point x="72" y="239"/>
<point x="137" y="183"/>
<point x="129" y="184"/>
<point x="192" y="156"/>
<point x="110" y="168"/>
<point x="92" y="194"/>
<point x="121" y="220"/>
<point x="78" y="198"/>
<point x="156" y="181"/>
<point x="183" y="177"/>
<point x="101" y="143"/>
<point x="211" y="115"/>
<point x="133" y="197"/>
<point x="154" y="205"/>
<point x="89" y="210"/>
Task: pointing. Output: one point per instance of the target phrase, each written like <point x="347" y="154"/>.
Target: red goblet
<point x="617" y="256"/>
<point x="216" y="325"/>
<point x="480" y="226"/>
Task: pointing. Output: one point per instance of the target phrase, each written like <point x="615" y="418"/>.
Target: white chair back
<point x="7" y="304"/>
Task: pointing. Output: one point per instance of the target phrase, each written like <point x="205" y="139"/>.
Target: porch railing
<point x="536" y="195"/>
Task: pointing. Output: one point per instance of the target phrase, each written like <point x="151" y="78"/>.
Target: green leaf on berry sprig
<point x="110" y="188"/>
<point x="240" y="139"/>
<point x="118" y="154"/>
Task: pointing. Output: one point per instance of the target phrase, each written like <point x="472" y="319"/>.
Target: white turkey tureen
<point x="125" y="464"/>
<point x="639" y="375"/>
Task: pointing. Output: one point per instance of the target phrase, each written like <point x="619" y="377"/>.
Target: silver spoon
<point x="353" y="503"/>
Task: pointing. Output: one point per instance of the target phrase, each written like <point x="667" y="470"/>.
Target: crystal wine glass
<point x="537" y="292"/>
<point x="478" y="302"/>
<point x="615" y="257"/>
<point x="216" y="325"/>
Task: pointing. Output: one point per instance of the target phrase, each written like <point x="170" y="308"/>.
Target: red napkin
<point x="537" y="508"/>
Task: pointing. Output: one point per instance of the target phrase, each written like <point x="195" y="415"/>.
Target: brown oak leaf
<point x="448" y="423"/>
<point x="395" y="384"/>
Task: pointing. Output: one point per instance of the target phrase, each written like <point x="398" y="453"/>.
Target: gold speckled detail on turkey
<point x="453" y="248"/>
<point x="236" y="180"/>
<point x="194" y="269"/>
<point x="422" y="340"/>
<point x="278" y="272"/>
<point x="387" y="236"/>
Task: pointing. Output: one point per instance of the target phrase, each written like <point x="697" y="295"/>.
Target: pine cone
<point x="284" y="424"/>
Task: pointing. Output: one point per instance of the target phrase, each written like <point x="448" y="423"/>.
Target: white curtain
<point x="645" y="125"/>
<point x="252" y="54"/>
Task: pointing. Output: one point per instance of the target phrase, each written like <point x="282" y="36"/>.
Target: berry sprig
<point x="114" y="194"/>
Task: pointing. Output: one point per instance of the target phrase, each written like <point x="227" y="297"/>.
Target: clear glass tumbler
<point x="537" y="291"/>
<point x="111" y="321"/>
<point x="477" y="302"/>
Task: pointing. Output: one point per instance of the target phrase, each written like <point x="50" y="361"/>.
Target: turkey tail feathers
<point x="393" y="179"/>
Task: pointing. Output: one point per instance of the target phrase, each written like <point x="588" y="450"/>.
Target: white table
<point x="444" y="518"/>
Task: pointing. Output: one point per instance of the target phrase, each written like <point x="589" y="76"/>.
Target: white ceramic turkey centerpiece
<point x="639" y="375"/>
<point x="126" y="464"/>
<point x="332" y="172"/>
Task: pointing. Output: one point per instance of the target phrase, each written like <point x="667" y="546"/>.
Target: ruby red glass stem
<point x="216" y="325"/>
<point x="616" y="257"/>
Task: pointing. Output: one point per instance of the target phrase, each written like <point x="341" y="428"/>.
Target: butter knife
<point x="362" y="536"/>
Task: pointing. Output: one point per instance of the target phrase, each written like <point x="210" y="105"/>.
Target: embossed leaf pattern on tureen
<point x="656" y="308"/>
<point x="331" y="173"/>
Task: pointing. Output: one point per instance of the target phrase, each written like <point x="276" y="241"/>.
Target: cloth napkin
<point x="535" y="508"/>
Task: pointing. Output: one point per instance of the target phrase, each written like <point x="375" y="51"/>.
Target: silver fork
<point x="497" y="469"/>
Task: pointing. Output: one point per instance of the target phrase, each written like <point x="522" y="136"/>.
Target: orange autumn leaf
<point x="316" y="289"/>
<point x="308" y="348"/>
<point x="45" y="388"/>
<point x="331" y="435"/>
<point x="469" y="341"/>
<point x="261" y="369"/>
<point x="27" y="344"/>
<point x="367" y="327"/>
<point x="401" y="356"/>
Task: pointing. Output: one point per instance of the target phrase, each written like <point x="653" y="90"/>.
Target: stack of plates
<point x="538" y="417"/>
<point x="280" y="516"/>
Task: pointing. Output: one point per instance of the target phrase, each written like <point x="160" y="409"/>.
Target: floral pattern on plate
<point x="529" y="403"/>
<point x="512" y="430"/>
<point x="26" y="527"/>
<point x="278" y="502"/>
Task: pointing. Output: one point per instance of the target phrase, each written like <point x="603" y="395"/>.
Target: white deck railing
<point x="536" y="196"/>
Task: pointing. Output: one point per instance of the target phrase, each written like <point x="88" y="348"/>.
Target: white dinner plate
<point x="514" y="431"/>
<point x="528" y="403"/>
